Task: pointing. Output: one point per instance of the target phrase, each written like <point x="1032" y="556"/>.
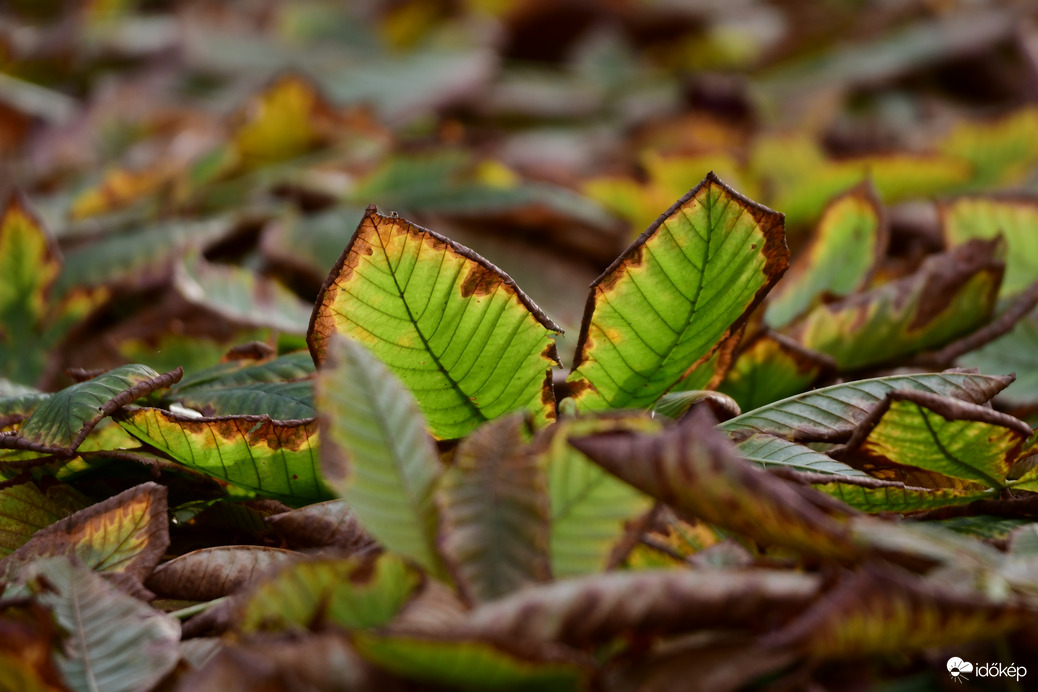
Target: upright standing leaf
<point x="494" y="513"/>
<point x="590" y="508"/>
<point x="376" y="453"/>
<point x="834" y="412"/>
<point x="454" y="328"/>
<point x="128" y="533"/>
<point x="850" y="238"/>
<point x="115" y="642"/>
<point x="674" y="295"/>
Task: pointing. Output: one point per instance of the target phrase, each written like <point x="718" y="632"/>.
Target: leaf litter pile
<point x="669" y="346"/>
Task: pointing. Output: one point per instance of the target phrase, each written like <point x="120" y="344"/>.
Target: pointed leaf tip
<point x="671" y="298"/>
<point x="454" y="328"/>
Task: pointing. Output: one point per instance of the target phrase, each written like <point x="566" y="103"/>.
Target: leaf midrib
<point x="411" y="318"/>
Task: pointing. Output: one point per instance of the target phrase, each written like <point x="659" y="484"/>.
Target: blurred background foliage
<point x="201" y="164"/>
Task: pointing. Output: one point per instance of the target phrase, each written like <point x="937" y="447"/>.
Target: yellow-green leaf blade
<point x="277" y="459"/>
<point x="675" y="295"/>
<point x="849" y="239"/>
<point x="454" y="328"/>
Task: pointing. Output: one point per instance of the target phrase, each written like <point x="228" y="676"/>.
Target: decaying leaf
<point x="494" y="513"/>
<point x="209" y="573"/>
<point x="950" y="295"/>
<point x="127" y="533"/>
<point x="697" y="471"/>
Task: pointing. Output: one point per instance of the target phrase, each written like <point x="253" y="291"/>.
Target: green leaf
<point x="115" y="642"/>
<point x="455" y="329"/>
<point x="768" y="450"/>
<point x="461" y="664"/>
<point x="127" y="533"/>
<point x="274" y="458"/>
<point x="674" y="295"/>
<point x="695" y="469"/>
<point x="494" y="513"/>
<point x="31" y="321"/>
<point x="950" y="295"/>
<point x="61" y="423"/>
<point x="280" y="388"/>
<point x="27" y="506"/>
<point x="351" y="593"/>
<point x="1002" y="151"/>
<point x="946" y="436"/>
<point x="874" y="495"/>
<point x="849" y="240"/>
<point x="767" y="370"/>
<point x="140" y="257"/>
<point x="598" y="608"/>
<point x="240" y="295"/>
<point x="376" y="453"/>
<point x="968" y="218"/>
<point x="833" y="413"/>
<point x="589" y="507"/>
<point x="1016" y="352"/>
<point x="673" y="405"/>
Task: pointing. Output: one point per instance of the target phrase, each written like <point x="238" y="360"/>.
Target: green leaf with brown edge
<point x="875" y="495"/>
<point x="274" y="458"/>
<point x="767" y="450"/>
<point x="32" y="322"/>
<point x="944" y="436"/>
<point x="882" y="610"/>
<point x="209" y="573"/>
<point x="494" y="513"/>
<point x="950" y="295"/>
<point x="590" y="508"/>
<point x="348" y="592"/>
<point x="970" y="218"/>
<point x="115" y="642"/>
<point x="833" y="413"/>
<point x="27" y="506"/>
<point x="127" y="533"/>
<point x="62" y="422"/>
<point x="240" y="295"/>
<point x="593" y="610"/>
<point x="767" y="370"/>
<point x="679" y="291"/>
<point x="376" y="453"/>
<point x="695" y="469"/>
<point x="454" y="328"/>
<point x="848" y="242"/>
<point x="456" y="663"/>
